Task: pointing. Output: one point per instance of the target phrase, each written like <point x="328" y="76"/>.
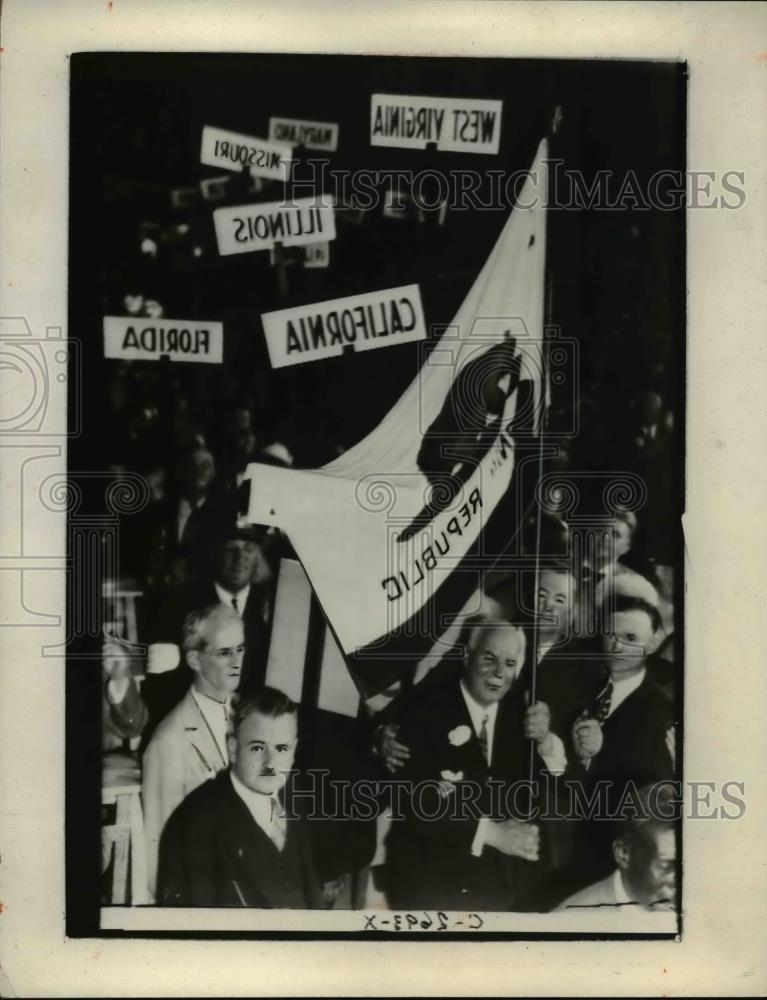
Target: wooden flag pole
<point x="555" y="123"/>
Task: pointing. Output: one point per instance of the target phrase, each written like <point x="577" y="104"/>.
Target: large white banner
<point x="379" y="529"/>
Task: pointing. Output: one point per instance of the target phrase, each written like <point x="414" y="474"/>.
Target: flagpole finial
<point x="556" y="119"/>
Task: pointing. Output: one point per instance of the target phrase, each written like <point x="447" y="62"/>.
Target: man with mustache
<point x="232" y="842"/>
<point x="189" y="745"/>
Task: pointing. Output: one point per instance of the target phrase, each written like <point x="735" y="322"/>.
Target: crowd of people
<point x="466" y="786"/>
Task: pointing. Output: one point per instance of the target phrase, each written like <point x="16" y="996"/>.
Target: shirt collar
<point x="207" y="704"/>
<point x="225" y="596"/>
<point x="542" y="648"/>
<point x="254" y="800"/>
<point x="625" y="686"/>
<point x="187" y="505"/>
<point x="621" y="896"/>
<point x="477" y="711"/>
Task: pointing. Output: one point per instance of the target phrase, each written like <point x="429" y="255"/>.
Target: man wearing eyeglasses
<point x="189" y="746"/>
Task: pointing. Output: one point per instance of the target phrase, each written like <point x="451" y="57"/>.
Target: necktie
<point x="483" y="739"/>
<point x="602" y="704"/>
<point x="234" y="605"/>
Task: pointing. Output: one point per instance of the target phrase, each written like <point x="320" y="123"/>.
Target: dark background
<point x="136" y="126"/>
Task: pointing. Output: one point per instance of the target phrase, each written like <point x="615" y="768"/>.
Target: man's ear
<point x="231" y="747"/>
<point x="193" y="659"/>
<point x="621" y="854"/>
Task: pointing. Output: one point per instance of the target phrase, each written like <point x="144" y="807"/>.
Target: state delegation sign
<point x="312" y="135"/>
<point x="362" y="322"/>
<point x="245" y="228"/>
<point x="234" y="151"/>
<point x="463" y="125"/>
<point x="132" y="339"/>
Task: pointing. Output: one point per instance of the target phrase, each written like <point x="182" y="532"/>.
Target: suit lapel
<point x="629" y="705"/>
<point x="250" y="851"/>
<point x="200" y="738"/>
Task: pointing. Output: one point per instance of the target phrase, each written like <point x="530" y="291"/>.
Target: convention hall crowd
<point x="555" y="694"/>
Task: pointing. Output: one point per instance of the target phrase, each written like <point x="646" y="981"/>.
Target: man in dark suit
<point x="241" y="578"/>
<point x="565" y="670"/>
<point x="230" y="842"/>
<point x="623" y="737"/>
<point x="463" y="843"/>
<point x="166" y="542"/>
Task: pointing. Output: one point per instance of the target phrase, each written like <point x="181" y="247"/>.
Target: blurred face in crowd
<point x="262" y="751"/>
<point x="491" y="663"/>
<point x="197" y="473"/>
<point x="218" y="663"/>
<point x="613" y="542"/>
<point x="239" y="562"/>
<point x="241" y="419"/>
<point x="626" y="641"/>
<point x="244" y="445"/>
<point x="649" y="867"/>
<point x="556" y="592"/>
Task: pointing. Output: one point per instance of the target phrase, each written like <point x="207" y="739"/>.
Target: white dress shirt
<point x="479" y="712"/>
<point x="266" y="810"/>
<point x="623" y="688"/>
<point x="225" y="596"/>
<point x="622" y="898"/>
<point x="216" y="715"/>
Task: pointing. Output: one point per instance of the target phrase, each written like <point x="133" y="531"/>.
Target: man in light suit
<point x="189" y="745"/>
<point x="232" y="842"/>
<point x="241" y="578"/>
<point x="644" y="852"/>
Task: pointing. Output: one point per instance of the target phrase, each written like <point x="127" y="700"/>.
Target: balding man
<point x="644" y="858"/>
<point x="459" y="845"/>
<point x="189" y="746"/>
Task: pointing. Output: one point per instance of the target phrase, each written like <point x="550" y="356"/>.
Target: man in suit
<point x="230" y="843"/>
<point x="173" y="531"/>
<point x="565" y="670"/>
<point x="189" y="745"/>
<point x="622" y="736"/>
<point x="462" y="843"/>
<point x="240" y="578"/>
<point x="644" y="852"/>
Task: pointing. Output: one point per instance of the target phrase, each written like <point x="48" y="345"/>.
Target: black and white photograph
<point x="382" y="499"/>
<point x="384" y="381"/>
